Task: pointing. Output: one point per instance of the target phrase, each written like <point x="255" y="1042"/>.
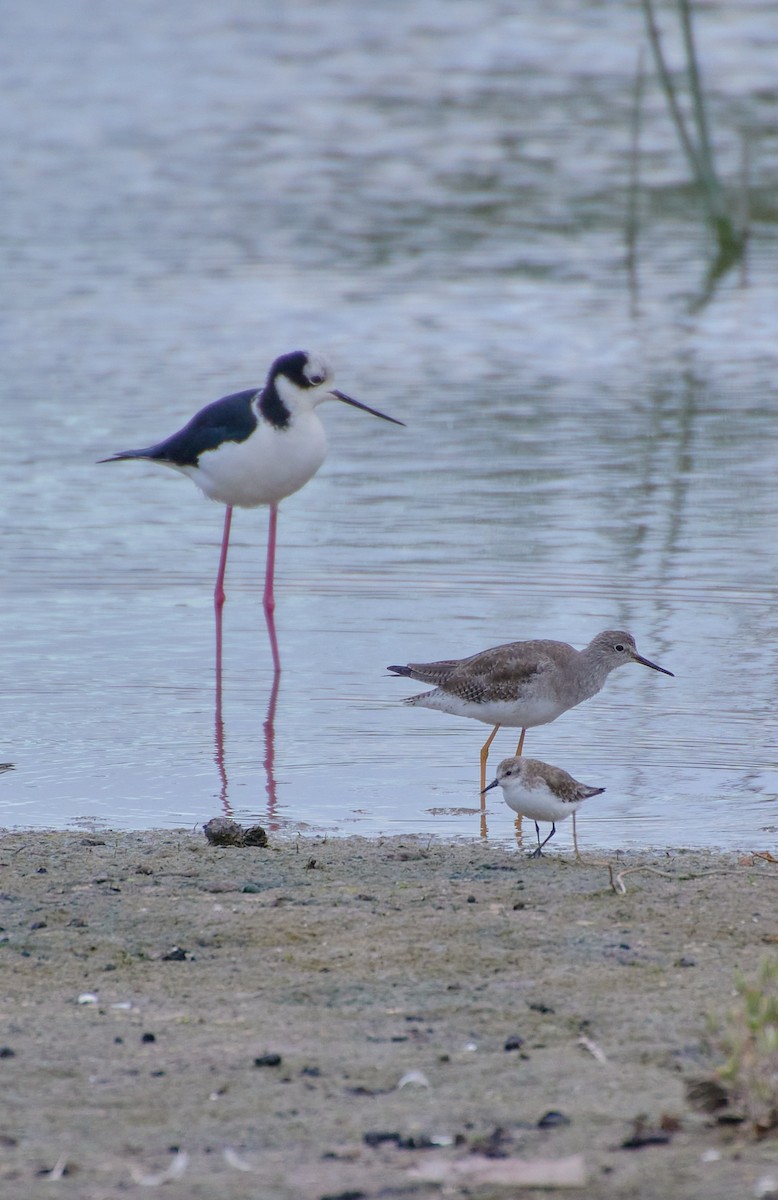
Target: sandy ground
<point x="365" y="1018"/>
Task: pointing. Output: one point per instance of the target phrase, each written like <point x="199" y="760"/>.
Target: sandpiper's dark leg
<point x="539" y="852"/>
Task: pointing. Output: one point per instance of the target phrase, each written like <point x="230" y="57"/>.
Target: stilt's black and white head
<point x="299" y="381"/>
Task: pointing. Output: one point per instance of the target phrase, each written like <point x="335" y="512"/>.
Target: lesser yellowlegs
<point x="522" y="684"/>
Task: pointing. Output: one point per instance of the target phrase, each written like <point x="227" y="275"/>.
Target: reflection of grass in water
<point x="748" y="1036"/>
<point x="697" y="145"/>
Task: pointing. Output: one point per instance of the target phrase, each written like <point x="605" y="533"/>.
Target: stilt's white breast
<point x="270" y="464"/>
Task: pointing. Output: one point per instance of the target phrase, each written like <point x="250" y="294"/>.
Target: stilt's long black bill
<point x="489" y="786"/>
<point x="358" y="404"/>
<point x="648" y="663"/>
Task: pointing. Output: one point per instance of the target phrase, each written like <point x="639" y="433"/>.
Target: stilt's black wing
<point x="231" y="419"/>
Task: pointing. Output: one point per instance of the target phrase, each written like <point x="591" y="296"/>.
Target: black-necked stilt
<point x="522" y="684"/>
<point x="254" y="448"/>
<point x="544" y="793"/>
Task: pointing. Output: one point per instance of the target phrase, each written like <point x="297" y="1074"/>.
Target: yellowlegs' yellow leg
<point x="521" y="743"/>
<point x="484" y="755"/>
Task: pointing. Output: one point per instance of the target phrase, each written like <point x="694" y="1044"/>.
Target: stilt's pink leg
<point x="218" y="595"/>
<point x="218" y="591"/>
<point x="219" y="756"/>
<point x="268" y="599"/>
<point x="270" y="752"/>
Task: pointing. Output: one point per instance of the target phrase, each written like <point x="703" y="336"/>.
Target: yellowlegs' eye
<point x="619" y="648"/>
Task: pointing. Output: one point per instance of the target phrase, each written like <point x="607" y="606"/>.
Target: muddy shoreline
<point x="354" y="1017"/>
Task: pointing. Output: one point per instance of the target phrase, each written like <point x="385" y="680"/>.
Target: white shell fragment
<point x="416" y="1077"/>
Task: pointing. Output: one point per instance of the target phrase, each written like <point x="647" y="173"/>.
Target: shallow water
<point x="435" y="194"/>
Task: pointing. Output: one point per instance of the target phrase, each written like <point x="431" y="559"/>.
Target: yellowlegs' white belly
<point x="523" y="714"/>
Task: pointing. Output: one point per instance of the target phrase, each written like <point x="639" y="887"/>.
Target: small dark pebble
<point x="109" y="967"/>
<point x="39" y="925"/>
<point x="7" y="1052"/>
<point x="553" y="1120"/>
<point x="377" y="1137"/>
<point x="177" y="954"/>
<point x="540" y="1007"/>
<point x="471" y="900"/>
<point x="344" y="1196"/>
<point x="251" y="889"/>
<point x="149" y="1037"/>
<point x="221" y="831"/>
<point x="268" y="1060"/>
<point x="255" y="836"/>
<point x="92" y="841"/>
<point x="118" y="1041"/>
<point x="313" y="1072"/>
<point x="416" y="1141"/>
<point x="519" y="905"/>
<point x="637" y="1141"/>
<point x="77" y="923"/>
<point x="514" y="1042"/>
<point x="157" y="1074"/>
<point x="42" y="871"/>
<point x="364" y="896"/>
<point x="685" y="962"/>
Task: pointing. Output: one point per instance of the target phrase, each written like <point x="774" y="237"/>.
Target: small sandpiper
<point x="522" y="684"/>
<point x="544" y="793"/>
